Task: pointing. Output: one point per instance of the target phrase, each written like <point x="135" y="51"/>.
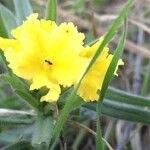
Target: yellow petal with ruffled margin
<point x="92" y="82"/>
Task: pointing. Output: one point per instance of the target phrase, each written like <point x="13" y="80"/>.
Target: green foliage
<point x="42" y="129"/>
<point x="22" y="9"/>
<point x="107" y="79"/>
<point x="122" y="111"/>
<point x="51" y="10"/>
<point x="128" y="98"/>
<point x="7" y="21"/>
<point x="21" y="89"/>
<point x="3" y="31"/>
<point x="71" y="100"/>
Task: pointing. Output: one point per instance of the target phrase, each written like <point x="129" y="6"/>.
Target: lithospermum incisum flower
<point x="53" y="55"/>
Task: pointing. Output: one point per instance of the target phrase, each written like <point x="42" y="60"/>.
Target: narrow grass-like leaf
<point x="21" y="89"/>
<point x="105" y="84"/>
<point x="29" y="99"/>
<point x="113" y="64"/>
<point x="125" y="97"/>
<point x="51" y="10"/>
<point x="22" y="9"/>
<point x="122" y="111"/>
<point x="107" y="79"/>
<point x="119" y="101"/>
<point x="71" y="100"/>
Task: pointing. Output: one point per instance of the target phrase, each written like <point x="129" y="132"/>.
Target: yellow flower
<point x="46" y="54"/>
<point x="53" y="55"/>
<point x="93" y="80"/>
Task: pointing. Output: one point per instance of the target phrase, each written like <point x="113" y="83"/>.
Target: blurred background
<point x="93" y="17"/>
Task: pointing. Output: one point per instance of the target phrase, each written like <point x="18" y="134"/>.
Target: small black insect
<point x="48" y="62"/>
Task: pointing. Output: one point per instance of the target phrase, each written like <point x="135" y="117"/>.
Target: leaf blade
<point x="51" y="10"/>
<point x="22" y="9"/>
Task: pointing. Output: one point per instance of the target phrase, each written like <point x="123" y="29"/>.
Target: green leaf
<point x="22" y="9"/>
<point x="14" y="80"/>
<point x="123" y="105"/>
<point x="110" y="33"/>
<point x="27" y="97"/>
<point x="3" y="30"/>
<point x="125" y="97"/>
<point x="119" y="110"/>
<point x="21" y="89"/>
<point x="71" y="100"/>
<point x="107" y="79"/>
<point x="110" y="72"/>
<point x="42" y="131"/>
<point x="113" y="64"/>
<point x="51" y="10"/>
<point x="8" y="20"/>
<point x="121" y="96"/>
<point x="139" y="111"/>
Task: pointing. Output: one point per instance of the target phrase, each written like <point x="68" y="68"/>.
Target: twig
<point x="140" y="25"/>
<point x="81" y="126"/>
